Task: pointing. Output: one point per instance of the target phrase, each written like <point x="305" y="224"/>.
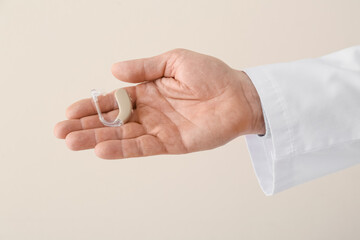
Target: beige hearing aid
<point x="124" y="103"/>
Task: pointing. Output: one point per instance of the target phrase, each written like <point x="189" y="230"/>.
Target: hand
<point x="185" y="102"/>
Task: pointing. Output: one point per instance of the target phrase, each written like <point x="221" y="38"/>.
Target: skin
<point x="184" y="102"/>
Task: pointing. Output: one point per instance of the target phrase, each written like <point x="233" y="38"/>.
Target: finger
<point x="86" y="107"/>
<point x="147" y="69"/>
<point x="86" y="139"/>
<point x="62" y="129"/>
<point x="145" y="145"/>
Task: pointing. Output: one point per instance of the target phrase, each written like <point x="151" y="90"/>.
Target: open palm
<point x="185" y="102"/>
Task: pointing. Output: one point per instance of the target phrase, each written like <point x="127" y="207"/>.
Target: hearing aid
<point x="124" y="103"/>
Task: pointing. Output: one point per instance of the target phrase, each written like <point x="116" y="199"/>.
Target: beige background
<point x="53" y="52"/>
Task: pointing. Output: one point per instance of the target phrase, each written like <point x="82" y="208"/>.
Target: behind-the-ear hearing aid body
<point x="124" y="103"/>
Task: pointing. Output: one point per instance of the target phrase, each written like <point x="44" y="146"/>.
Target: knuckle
<point x="178" y="51"/>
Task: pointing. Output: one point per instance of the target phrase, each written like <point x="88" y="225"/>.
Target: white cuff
<point x="312" y="114"/>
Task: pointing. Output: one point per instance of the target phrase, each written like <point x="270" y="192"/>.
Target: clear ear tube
<point x="123" y="102"/>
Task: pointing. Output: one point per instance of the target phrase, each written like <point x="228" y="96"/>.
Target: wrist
<point x="257" y="123"/>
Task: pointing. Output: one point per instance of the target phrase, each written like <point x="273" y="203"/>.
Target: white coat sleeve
<point x="312" y="114"/>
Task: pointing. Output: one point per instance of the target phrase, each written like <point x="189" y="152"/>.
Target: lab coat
<point x="312" y="117"/>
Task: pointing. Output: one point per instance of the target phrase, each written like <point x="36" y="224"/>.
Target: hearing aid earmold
<point x="123" y="102"/>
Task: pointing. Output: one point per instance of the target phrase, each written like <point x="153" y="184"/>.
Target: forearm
<point x="312" y="107"/>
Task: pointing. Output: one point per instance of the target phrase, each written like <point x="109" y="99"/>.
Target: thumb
<point x="146" y="69"/>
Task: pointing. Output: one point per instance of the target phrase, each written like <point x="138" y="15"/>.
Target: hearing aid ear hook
<point x="123" y="102"/>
